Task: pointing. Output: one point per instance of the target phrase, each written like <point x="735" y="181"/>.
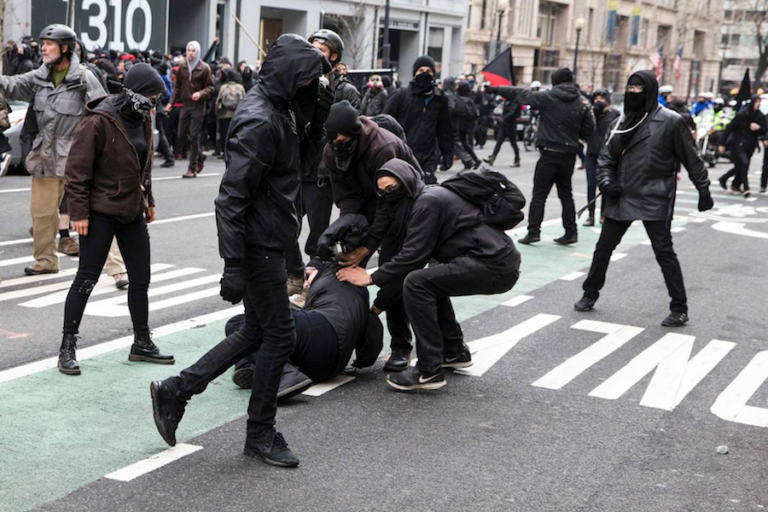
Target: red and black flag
<point x="501" y="70"/>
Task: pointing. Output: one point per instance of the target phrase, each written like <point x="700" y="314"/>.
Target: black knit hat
<point x="561" y="76"/>
<point x="343" y="119"/>
<point x="425" y="60"/>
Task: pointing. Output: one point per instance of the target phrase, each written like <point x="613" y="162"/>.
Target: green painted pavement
<point x="59" y="433"/>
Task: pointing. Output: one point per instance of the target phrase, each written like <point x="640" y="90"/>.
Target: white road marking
<point x="119" y="343"/>
<point x="201" y="175"/>
<point x="16" y="261"/>
<point x="675" y="377"/>
<point x="145" y="466"/>
<point x="647" y="241"/>
<point x="731" y="405"/>
<point x="324" y="387"/>
<point x="487" y="351"/>
<point x="618" y="256"/>
<point x="15" y="242"/>
<point x="572" y="276"/>
<point x="516" y="301"/>
<point x="677" y="229"/>
<point x="184" y="217"/>
<point x="738" y="228"/>
<point x="616" y="337"/>
<point x="7" y="283"/>
<point x="9" y="190"/>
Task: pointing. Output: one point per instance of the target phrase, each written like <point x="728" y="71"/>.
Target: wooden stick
<point x="263" y="53"/>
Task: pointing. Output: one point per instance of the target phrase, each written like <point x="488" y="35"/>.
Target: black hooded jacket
<point x="354" y="190"/>
<point x="604" y="121"/>
<point x="646" y="167"/>
<point x="566" y="115"/>
<point x="257" y="196"/>
<point x="738" y="136"/>
<point x="442" y="225"/>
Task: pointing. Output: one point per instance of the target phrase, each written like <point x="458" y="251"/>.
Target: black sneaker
<point x="675" y="320"/>
<point x="167" y="409"/>
<point x="397" y="362"/>
<point x="567" y="240"/>
<point x="413" y="379"/>
<point x="168" y="163"/>
<point x="723" y="182"/>
<point x="243" y="375"/>
<point x="461" y="360"/>
<point x="529" y="239"/>
<point x="274" y="451"/>
<point x="585" y="304"/>
<point x="292" y="383"/>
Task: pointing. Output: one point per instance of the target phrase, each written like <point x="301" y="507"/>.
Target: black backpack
<point x="500" y="199"/>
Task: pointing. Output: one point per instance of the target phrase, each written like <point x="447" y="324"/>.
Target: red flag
<point x="500" y="71"/>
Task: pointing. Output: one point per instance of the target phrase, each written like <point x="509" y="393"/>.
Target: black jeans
<point x="133" y="240"/>
<point x="317" y="350"/>
<point x="740" y="159"/>
<point x="268" y="329"/>
<point x="163" y="147"/>
<point x="224" y="123"/>
<point x="172" y="133"/>
<point x="459" y="150"/>
<point x="190" y="124"/>
<point x="661" y="240"/>
<point x="427" y="294"/>
<point x="553" y="168"/>
<point x="466" y="142"/>
<point x="503" y="135"/>
<point x="764" y="176"/>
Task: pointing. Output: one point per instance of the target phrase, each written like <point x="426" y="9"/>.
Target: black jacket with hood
<point x="257" y="196"/>
<point x="426" y="120"/>
<point x="566" y="115"/>
<point x="646" y="167"/>
<point x="604" y="121"/>
<point x="439" y="224"/>
<point x="738" y="136"/>
<point x="354" y="190"/>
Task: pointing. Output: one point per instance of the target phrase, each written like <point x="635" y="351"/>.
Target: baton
<point x="580" y="212"/>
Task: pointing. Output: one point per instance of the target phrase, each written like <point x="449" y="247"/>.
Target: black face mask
<point x="396" y="195"/>
<point x="344" y="153"/>
<point x="306" y="98"/>
<point x="635" y="101"/>
<point x="422" y="83"/>
<point x="600" y="106"/>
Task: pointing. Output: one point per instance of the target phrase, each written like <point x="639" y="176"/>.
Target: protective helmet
<point x="707" y="95"/>
<point x="732" y="103"/>
<point x="719" y="101"/>
<point x="332" y="40"/>
<point x="535" y="84"/>
<point x="62" y="34"/>
<point x="666" y="89"/>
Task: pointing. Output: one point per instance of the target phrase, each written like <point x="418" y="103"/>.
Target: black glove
<point x="323" y="106"/>
<point x="232" y="283"/>
<point x="491" y="89"/>
<point x="447" y="162"/>
<point x="612" y="190"/>
<point x="705" y="202"/>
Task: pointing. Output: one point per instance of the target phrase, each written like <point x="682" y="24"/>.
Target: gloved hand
<point x="323" y="106"/>
<point x="705" y="202"/>
<point x="447" y="162"/>
<point x="491" y="89"/>
<point x="612" y="190"/>
<point x="232" y="283"/>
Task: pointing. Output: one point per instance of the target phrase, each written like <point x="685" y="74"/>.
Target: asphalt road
<point x="562" y="410"/>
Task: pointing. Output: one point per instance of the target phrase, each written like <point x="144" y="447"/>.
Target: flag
<point x="610" y="30"/>
<point x="501" y="70"/>
<point x="657" y="61"/>
<point x="678" y="64"/>
<point x="634" y="37"/>
<point x="745" y="91"/>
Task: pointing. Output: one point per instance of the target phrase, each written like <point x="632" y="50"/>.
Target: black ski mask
<point x="306" y="98"/>
<point x="422" y="83"/>
<point x="344" y="152"/>
<point x="636" y="100"/>
<point x="396" y="195"/>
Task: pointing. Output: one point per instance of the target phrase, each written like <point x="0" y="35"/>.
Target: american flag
<point x="657" y="61"/>
<point x="678" y="64"/>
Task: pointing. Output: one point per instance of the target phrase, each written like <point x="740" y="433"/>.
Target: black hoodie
<point x="442" y="225"/>
<point x="738" y="136"/>
<point x="257" y="196"/>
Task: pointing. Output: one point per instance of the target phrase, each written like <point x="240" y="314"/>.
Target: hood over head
<point x="192" y="63"/>
<point x="290" y="63"/>
<point x="603" y="93"/>
<point x="449" y="84"/>
<point x="231" y="75"/>
<point x="386" y="81"/>
<point x="566" y="91"/>
<point x="465" y="89"/>
<point x="405" y="174"/>
<point x="650" y="88"/>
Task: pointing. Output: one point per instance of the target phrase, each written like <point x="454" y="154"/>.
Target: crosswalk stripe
<point x="154" y="462"/>
<point x="15" y="242"/>
<point x="8" y="283"/>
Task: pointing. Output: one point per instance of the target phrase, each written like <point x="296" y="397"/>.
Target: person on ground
<point x="605" y="119"/>
<point x="474" y="259"/>
<point x="637" y="174"/>
<point x="566" y="118"/>
<point x="112" y="198"/>
<point x="423" y="111"/>
<point x="741" y="138"/>
<point x="357" y="149"/>
<point x="192" y="88"/>
<point x="257" y="221"/>
<point x="59" y="89"/>
<point x="507" y="130"/>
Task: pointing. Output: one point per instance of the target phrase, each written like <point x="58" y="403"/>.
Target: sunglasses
<point x="634" y="88"/>
<point x="387" y="190"/>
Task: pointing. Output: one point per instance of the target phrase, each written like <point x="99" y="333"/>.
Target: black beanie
<point x="144" y="79"/>
<point x="386" y="81"/>
<point x="425" y="60"/>
<point x="562" y="75"/>
<point x="343" y="119"/>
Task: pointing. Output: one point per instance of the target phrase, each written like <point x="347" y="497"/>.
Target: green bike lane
<point x="58" y="433"/>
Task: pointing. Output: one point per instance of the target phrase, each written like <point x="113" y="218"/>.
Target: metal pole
<point x="385" y="42"/>
<point x="498" y="34"/>
<point x="576" y="55"/>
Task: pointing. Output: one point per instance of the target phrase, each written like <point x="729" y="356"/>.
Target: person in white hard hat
<point x="664" y="92"/>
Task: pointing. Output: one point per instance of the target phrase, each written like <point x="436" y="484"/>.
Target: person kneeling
<point x="475" y="259"/>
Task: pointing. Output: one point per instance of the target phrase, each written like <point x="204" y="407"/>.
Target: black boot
<point x="67" y="362"/>
<point x="143" y="349"/>
<point x="167" y="408"/>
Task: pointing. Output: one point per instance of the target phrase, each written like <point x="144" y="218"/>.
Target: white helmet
<point x="535" y="84"/>
<point x="732" y="103"/>
<point x="666" y="89"/>
<point x="719" y="101"/>
<point x="707" y="95"/>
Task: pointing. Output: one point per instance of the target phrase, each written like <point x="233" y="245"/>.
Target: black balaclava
<point x="423" y="83"/>
<point x="343" y="119"/>
<point x="140" y="82"/>
<point x="638" y="107"/>
<point x="306" y="98"/>
<point x="636" y="100"/>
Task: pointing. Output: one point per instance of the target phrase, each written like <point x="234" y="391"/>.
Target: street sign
<point x="111" y="24"/>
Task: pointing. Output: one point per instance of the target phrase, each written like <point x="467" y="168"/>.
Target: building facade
<point x="738" y="41"/>
<point x="417" y="27"/>
<point x="617" y="38"/>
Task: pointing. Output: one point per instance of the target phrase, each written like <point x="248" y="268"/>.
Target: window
<point x="547" y="26"/>
<point x="735" y="39"/>
<point x="612" y="72"/>
<point x="435" y="46"/>
<point x="483" y="13"/>
<point x="469" y="17"/>
<point x="728" y="15"/>
<point x="590" y="24"/>
<point x="724" y="40"/>
<point x="643" y="39"/>
<point x="545" y="62"/>
<point x="699" y="44"/>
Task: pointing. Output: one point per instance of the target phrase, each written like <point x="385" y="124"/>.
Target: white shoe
<point x="5" y="164"/>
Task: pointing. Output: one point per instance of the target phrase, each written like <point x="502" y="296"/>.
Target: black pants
<point x="190" y="124"/>
<point x="553" y="168"/>
<point x="427" y="294"/>
<point x="269" y="329"/>
<point x="172" y="132"/>
<point x="133" y="240"/>
<point x="502" y="136"/>
<point x="466" y="138"/>
<point x="390" y="299"/>
<point x="481" y="130"/>
<point x="316" y="204"/>
<point x="317" y="350"/>
<point x="163" y="147"/>
<point x="459" y="151"/>
<point x="661" y="241"/>
<point x="224" y="123"/>
<point x="764" y="176"/>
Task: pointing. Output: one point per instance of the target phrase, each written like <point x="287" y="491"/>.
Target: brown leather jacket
<point x="184" y="87"/>
<point x="103" y="172"/>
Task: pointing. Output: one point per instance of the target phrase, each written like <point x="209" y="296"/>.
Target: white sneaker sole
<point x="464" y="364"/>
<point x="416" y="387"/>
